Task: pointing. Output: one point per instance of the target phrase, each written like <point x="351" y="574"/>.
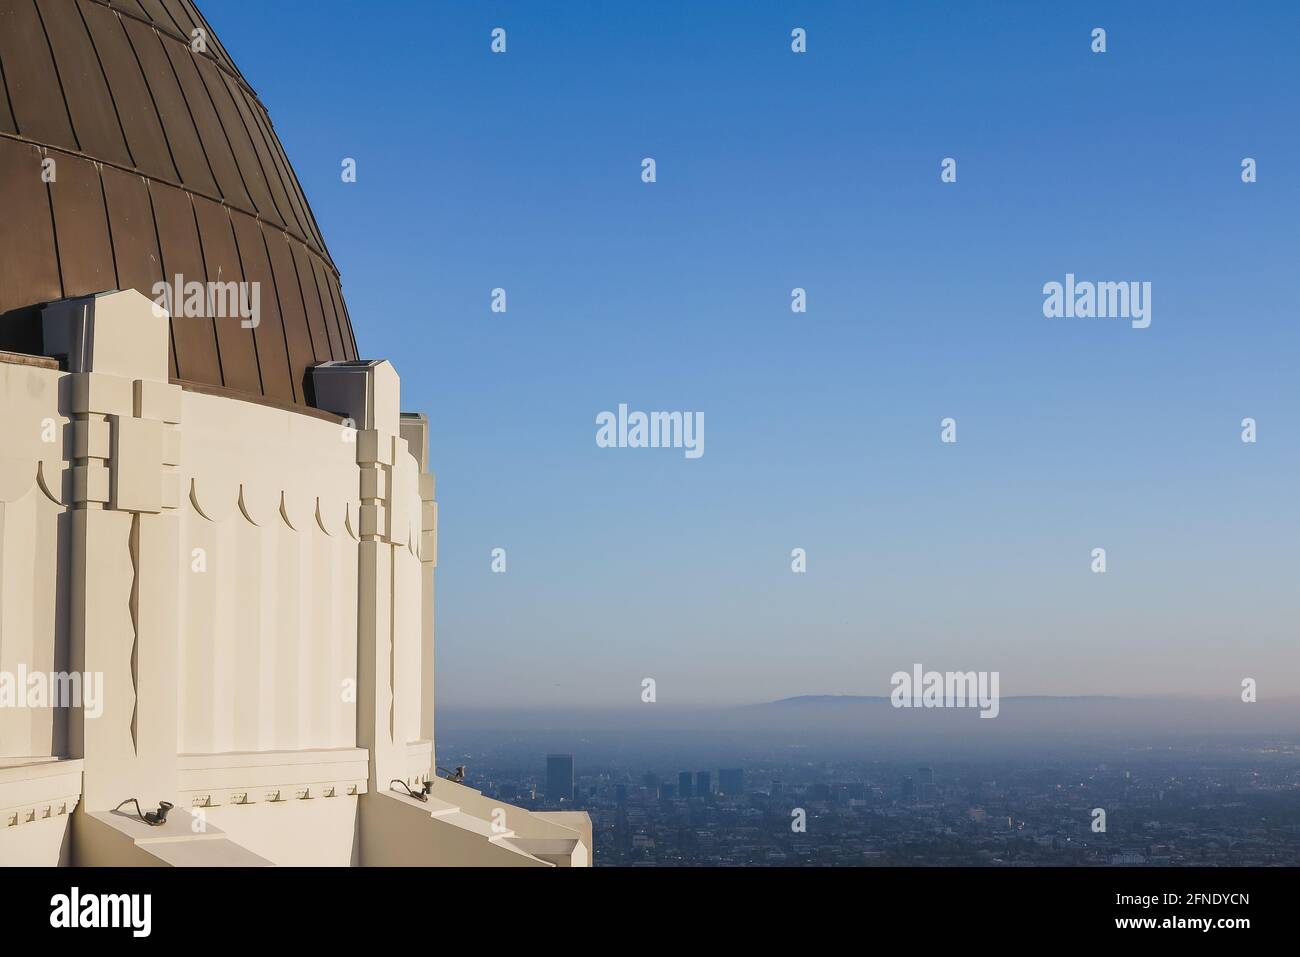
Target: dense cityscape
<point x="1235" y="806"/>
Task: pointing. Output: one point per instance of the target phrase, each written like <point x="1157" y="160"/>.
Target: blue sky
<point x="821" y="170"/>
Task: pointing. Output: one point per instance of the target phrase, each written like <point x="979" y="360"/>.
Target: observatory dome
<point x="165" y="164"/>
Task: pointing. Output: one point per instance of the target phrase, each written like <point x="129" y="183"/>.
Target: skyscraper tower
<point x="703" y="786"/>
<point x="731" y="781"/>
<point x="559" y="777"/>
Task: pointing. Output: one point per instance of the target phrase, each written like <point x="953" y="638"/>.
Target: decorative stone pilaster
<point x="124" y="490"/>
<point x="367" y="394"/>
<point x="415" y="429"/>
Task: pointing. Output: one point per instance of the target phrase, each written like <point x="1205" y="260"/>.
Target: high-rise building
<point x="559" y="777"/>
<point x="684" y="784"/>
<point x="731" y="781"/>
<point x="703" y="786"/>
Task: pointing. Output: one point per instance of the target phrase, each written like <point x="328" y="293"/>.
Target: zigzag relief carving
<point x="133" y="549"/>
<point x="388" y="640"/>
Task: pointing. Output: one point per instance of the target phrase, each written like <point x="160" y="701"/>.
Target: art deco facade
<point x="232" y="527"/>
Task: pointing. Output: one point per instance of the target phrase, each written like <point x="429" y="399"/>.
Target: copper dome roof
<point x="165" y="164"/>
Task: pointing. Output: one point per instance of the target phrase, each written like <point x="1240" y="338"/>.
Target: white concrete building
<point x="231" y="589"/>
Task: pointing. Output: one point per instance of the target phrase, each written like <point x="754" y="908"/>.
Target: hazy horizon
<point x="1029" y="728"/>
<point x="1290" y="700"/>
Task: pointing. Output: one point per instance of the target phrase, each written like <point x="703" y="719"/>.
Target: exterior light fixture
<point x="457" y="776"/>
<point x="153" y="818"/>
<point x="418" y="795"/>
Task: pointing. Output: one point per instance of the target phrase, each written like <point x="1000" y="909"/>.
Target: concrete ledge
<point x="119" y="839"/>
<point x="38" y="790"/>
<point x="562" y="838"/>
<point x="580" y="823"/>
<point x="399" y="831"/>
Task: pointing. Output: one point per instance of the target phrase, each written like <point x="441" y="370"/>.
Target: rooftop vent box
<point x="363" y="390"/>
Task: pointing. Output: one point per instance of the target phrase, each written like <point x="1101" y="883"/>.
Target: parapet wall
<point x="243" y="596"/>
<point x="227" y="572"/>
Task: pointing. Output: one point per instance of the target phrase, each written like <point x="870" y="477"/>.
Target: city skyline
<point x="1217" y="805"/>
